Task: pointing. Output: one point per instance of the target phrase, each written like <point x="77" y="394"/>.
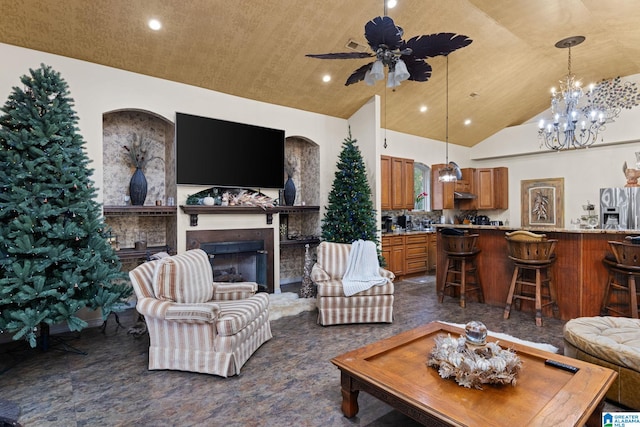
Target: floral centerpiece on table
<point x="474" y="365"/>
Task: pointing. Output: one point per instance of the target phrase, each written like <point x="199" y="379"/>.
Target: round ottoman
<point x="612" y="342"/>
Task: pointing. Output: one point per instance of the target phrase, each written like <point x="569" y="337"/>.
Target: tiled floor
<point x="289" y="381"/>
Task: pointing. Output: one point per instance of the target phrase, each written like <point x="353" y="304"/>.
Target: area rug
<point x="499" y="335"/>
<point x="289" y="304"/>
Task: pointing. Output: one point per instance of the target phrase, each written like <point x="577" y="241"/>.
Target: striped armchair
<point x="195" y="324"/>
<point x="375" y="305"/>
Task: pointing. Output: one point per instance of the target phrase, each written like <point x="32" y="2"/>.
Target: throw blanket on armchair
<point x="363" y="269"/>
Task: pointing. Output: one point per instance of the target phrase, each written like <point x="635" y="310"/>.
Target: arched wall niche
<point x="302" y="160"/>
<point x="302" y="157"/>
<point x="118" y="129"/>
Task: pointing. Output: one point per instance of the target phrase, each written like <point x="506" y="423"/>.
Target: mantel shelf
<point x="195" y="210"/>
<point x="140" y="210"/>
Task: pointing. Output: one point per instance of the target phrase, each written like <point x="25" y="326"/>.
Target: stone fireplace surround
<point x="196" y="238"/>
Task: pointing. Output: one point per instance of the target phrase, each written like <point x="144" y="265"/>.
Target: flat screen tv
<point x="228" y="154"/>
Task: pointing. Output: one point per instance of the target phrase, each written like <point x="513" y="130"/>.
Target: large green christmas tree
<point x="54" y="254"/>
<point x="350" y="215"/>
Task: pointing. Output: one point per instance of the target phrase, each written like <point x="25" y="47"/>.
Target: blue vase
<point x="138" y="188"/>
<point x="289" y="192"/>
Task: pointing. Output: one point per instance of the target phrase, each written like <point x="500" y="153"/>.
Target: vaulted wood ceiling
<point x="255" y="49"/>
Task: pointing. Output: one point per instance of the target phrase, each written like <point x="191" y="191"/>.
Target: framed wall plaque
<point x="542" y="202"/>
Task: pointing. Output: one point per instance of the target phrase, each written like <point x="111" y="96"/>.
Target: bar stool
<point x="621" y="293"/>
<point x="534" y="254"/>
<point x="461" y="266"/>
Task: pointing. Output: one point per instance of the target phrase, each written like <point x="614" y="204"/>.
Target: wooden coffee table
<point x="395" y="371"/>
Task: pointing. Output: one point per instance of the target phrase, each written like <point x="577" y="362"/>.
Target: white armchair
<point x="195" y="324"/>
<point x="374" y="305"/>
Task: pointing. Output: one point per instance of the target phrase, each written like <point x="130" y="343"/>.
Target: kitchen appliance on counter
<point x="404" y="221"/>
<point x="620" y="208"/>
<point x="482" y="220"/>
<point x="387" y="224"/>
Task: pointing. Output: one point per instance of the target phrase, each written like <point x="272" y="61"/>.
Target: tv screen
<point x="228" y="154"/>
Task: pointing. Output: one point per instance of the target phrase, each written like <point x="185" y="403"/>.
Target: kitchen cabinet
<point x="492" y="188"/>
<point x="433" y="251"/>
<point x="393" y="252"/>
<point x="396" y="183"/>
<point x="410" y="253"/>
<point x="385" y="183"/>
<point x="416" y="253"/>
<point x="442" y="193"/>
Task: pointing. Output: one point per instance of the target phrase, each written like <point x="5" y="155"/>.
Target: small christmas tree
<point x="350" y="215"/>
<point x="54" y="254"/>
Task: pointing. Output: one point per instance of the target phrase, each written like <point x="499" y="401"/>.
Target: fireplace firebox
<point x="238" y="255"/>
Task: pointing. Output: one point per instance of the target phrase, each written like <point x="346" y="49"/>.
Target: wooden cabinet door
<point x="397" y="260"/>
<point x="493" y="188"/>
<point x="501" y="187"/>
<point x="397" y="183"/>
<point x="385" y="182"/>
<point x="407" y="179"/>
<point x="486" y="188"/>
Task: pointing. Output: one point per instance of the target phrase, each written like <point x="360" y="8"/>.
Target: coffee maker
<point x="404" y="221"/>
<point x="387" y="224"/>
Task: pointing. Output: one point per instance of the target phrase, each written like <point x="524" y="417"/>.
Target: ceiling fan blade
<point x="419" y="70"/>
<point x="358" y="75"/>
<point x="431" y="45"/>
<point x="341" y="55"/>
<point x="382" y="30"/>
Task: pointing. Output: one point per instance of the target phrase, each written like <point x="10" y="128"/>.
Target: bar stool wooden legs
<point x="532" y="255"/>
<point x="461" y="269"/>
<point x="531" y="289"/>
<point x="621" y="293"/>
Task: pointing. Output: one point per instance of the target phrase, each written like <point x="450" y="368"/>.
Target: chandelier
<point x="578" y="117"/>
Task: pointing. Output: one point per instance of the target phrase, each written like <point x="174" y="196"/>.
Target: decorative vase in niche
<point x="289" y="192"/>
<point x="138" y="188"/>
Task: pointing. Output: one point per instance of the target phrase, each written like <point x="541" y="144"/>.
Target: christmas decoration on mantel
<point x="55" y="258"/>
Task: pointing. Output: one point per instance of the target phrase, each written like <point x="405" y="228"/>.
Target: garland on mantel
<point x="232" y="197"/>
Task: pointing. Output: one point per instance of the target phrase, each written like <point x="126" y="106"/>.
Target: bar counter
<point x="579" y="275"/>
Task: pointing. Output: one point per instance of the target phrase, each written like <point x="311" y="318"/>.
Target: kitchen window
<point x="421" y="187"/>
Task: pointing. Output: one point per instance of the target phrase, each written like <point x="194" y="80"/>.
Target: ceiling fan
<point x="405" y="59"/>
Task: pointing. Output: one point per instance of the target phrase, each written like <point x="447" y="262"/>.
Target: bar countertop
<point x="545" y="230"/>
<point x="579" y="273"/>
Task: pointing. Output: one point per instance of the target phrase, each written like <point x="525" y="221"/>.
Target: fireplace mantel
<point x="194" y="210"/>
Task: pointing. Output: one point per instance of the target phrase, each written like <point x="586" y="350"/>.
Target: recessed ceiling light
<point x="423" y="108"/>
<point x="391" y="4"/>
<point x="326" y="78"/>
<point x="467" y="122"/>
<point x="154" y="24"/>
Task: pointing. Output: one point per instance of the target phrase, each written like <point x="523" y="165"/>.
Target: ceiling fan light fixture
<point x="398" y="74"/>
<point x="375" y="73"/>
